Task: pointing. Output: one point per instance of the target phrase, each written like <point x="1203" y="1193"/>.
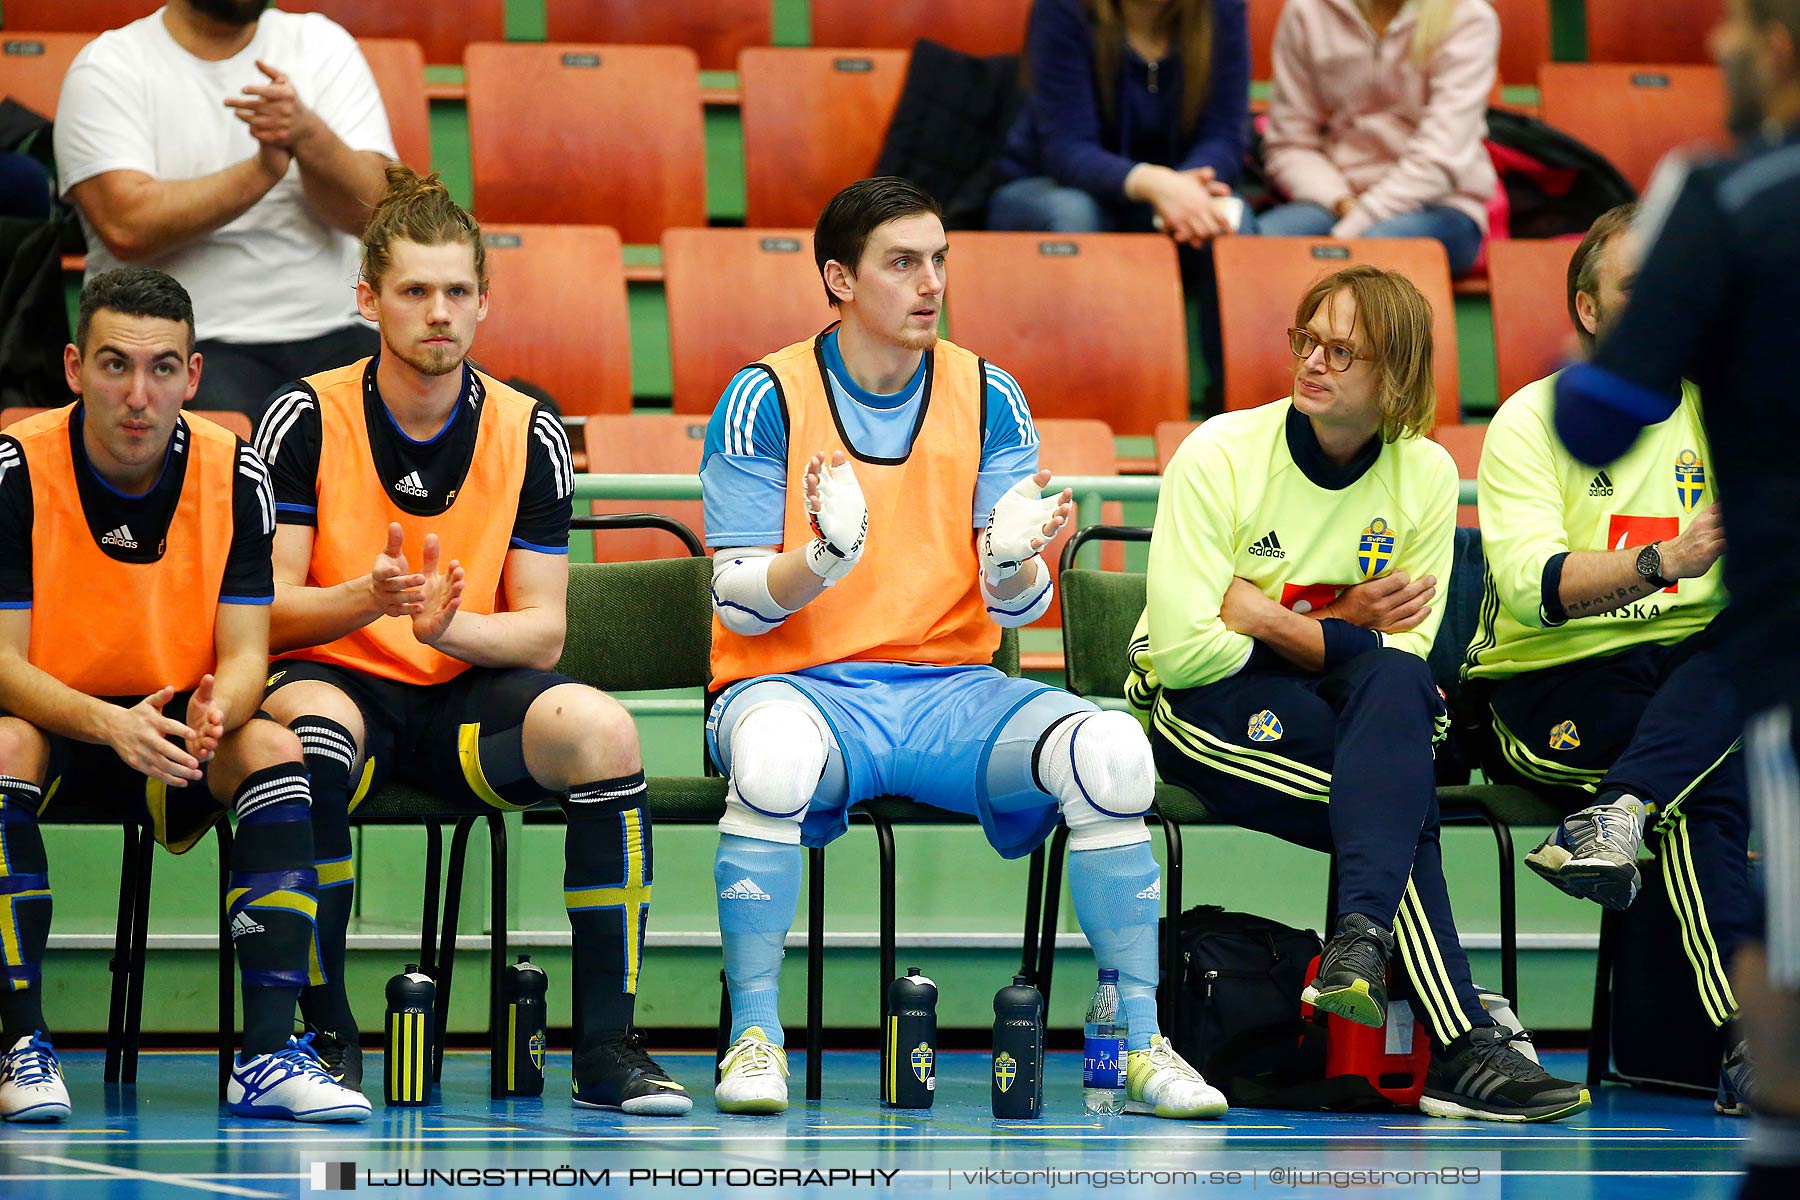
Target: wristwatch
<point x="1649" y="566"/>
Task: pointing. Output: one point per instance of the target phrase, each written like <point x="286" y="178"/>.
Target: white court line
<point x="180" y="1181"/>
<point x="1570" y="1138"/>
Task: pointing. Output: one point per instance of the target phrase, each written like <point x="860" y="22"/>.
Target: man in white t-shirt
<point x="240" y="151"/>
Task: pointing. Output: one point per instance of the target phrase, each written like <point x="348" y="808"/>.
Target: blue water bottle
<point x="1103" y="1049"/>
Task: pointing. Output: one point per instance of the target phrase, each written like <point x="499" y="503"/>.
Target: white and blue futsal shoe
<point x="31" y="1082"/>
<point x="292" y="1084"/>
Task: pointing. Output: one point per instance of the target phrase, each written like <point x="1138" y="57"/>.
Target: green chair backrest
<point x="1006" y="658"/>
<point x="1099" y="611"/>
<point x="640" y="626"/>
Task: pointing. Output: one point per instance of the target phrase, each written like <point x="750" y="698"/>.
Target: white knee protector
<point x="778" y="752"/>
<point x="1099" y="768"/>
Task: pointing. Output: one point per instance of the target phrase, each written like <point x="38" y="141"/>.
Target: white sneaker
<point x="294" y="1084"/>
<point x="31" y="1082"/>
<point x="1159" y="1082"/>
<point x="753" y="1076"/>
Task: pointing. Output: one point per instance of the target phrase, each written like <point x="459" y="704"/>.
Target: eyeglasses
<point x="1338" y="355"/>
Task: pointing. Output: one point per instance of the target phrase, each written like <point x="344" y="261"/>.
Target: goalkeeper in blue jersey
<point x="1597" y="666"/>
<point x="1298" y="550"/>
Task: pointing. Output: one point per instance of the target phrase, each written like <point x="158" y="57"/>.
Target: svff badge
<point x="921" y="1063"/>
<point x="1374" y="549"/>
<point x="1690" y="480"/>
<point x="1006" y="1069"/>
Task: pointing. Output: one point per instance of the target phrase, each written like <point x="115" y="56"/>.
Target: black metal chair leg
<point x="428" y="924"/>
<point x="724" y="1038"/>
<point x="1599" y="1063"/>
<point x="497" y="956"/>
<point x="1059" y="845"/>
<point x="1509" y="913"/>
<point x="446" y="958"/>
<point x="120" y="966"/>
<point x="134" y="991"/>
<point x="1034" y="916"/>
<point x="1173" y="994"/>
<point x="884" y="842"/>
<point x="227" y="962"/>
<point x="815" y="970"/>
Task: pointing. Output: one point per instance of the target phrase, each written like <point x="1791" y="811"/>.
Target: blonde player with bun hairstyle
<point x="421" y="570"/>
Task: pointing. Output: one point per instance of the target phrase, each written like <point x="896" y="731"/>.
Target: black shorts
<point x="178" y="816"/>
<point x="464" y="737"/>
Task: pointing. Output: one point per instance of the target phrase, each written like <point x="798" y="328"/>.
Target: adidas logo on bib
<point x="1268" y="546"/>
<point x="120" y="537"/>
<point x="412" y="485"/>
<point x="745" y="889"/>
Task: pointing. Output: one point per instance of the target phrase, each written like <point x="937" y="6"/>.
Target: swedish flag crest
<point x="1006" y="1069"/>
<point x="921" y="1061"/>
<point x="535" y="1045"/>
<point x="1690" y="480"/>
<point x="1265" y="726"/>
<point x="1565" y="736"/>
<point x="1374" y="549"/>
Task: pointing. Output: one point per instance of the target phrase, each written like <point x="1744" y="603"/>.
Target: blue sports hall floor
<point x="166" y="1137"/>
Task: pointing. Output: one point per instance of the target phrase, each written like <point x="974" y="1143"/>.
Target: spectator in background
<point x="238" y="150"/>
<point x="1136" y="118"/>
<point x="1377" y="120"/>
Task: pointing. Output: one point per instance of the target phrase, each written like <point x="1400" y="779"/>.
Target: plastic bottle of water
<point x="1103" y="1049"/>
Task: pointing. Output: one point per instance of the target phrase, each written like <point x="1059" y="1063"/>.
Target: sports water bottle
<point x="524" y="986"/>
<point x="1018" y="1081"/>
<point x="411" y="1029"/>
<point x="909" y="1043"/>
<point x="1103" y="1049"/>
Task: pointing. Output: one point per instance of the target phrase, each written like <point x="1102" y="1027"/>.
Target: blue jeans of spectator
<point x="1460" y="235"/>
<point x="1038" y="203"/>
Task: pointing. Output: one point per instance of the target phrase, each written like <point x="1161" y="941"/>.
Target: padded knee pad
<point x="1099" y="768"/>
<point x="778" y="753"/>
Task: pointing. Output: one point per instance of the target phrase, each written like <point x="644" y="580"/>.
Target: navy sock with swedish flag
<point x="606" y="888"/>
<point x="273" y="913"/>
<point x="24" y="908"/>
<point x="330" y="754"/>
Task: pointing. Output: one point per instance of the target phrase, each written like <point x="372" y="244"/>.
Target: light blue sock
<point x="1117" y="892"/>
<point x="759" y="886"/>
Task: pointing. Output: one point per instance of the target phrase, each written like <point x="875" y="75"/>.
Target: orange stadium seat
<point x="1524" y="39"/>
<point x="1622" y="31"/>
<point x="74" y="16"/>
<point x="442" y="28"/>
<point x="645" y="444"/>
<point x="399" y="69"/>
<point x="1169" y="436"/>
<point x="1634" y="114"/>
<point x="625" y="148"/>
<point x="988" y="27"/>
<point x="1464" y="444"/>
<point x="556" y="314"/>
<point x="814" y="120"/>
<point x="32" y="66"/>
<point x="1528" y="287"/>
<point x="1077" y="446"/>
<point x="715" y="30"/>
<point x="237" y="422"/>
<point x="1261" y="280"/>
<point x="712" y="330"/>
<point x="1091" y="325"/>
<point x="1264" y="15"/>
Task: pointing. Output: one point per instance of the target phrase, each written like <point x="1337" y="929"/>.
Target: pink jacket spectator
<point x="1351" y="113"/>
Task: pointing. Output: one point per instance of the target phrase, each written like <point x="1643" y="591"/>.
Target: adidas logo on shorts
<point x="412" y="485"/>
<point x="745" y="889"/>
<point x="1268" y="546"/>
<point x="243" y="926"/>
<point x="1153" y="892"/>
<point x="120" y="537"/>
<point x="1602" y="486"/>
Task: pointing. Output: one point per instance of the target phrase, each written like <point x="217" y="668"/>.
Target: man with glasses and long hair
<point x="1299" y="548"/>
